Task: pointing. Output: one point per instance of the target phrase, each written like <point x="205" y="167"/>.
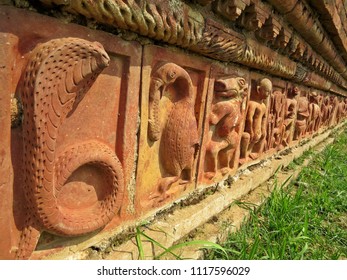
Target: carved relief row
<point x="178" y="23"/>
<point x="78" y="165"/>
<point x="270" y="28"/>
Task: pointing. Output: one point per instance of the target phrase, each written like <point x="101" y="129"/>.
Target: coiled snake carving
<point x="57" y="76"/>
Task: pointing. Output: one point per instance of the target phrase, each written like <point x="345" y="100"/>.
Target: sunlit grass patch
<point x="306" y="220"/>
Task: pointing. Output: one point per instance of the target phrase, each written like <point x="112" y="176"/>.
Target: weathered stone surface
<point x="9" y="234"/>
<point x="299" y="15"/>
<point x="254" y="16"/>
<point x="170" y="21"/>
<point x="220" y="43"/>
<point x="174" y="88"/>
<point x="230" y="9"/>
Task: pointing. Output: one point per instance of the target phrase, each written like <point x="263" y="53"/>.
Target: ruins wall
<point x="112" y="110"/>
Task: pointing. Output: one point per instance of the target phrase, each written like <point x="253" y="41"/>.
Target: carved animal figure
<point x="179" y="139"/>
<point x="225" y="119"/>
<point x="57" y="76"/>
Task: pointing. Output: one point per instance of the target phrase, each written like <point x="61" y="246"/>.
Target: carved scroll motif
<point x="179" y="139"/>
<point x="262" y="57"/>
<point x="254" y="16"/>
<point x="170" y="21"/>
<point x="220" y="43"/>
<point x="225" y="119"/>
<point x="57" y="76"/>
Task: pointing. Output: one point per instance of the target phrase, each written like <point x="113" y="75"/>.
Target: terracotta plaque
<point x="73" y="153"/>
<point x="228" y="93"/>
<point x="174" y="87"/>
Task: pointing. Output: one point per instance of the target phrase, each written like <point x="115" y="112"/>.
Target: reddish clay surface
<point x="174" y="88"/>
<point x="95" y="121"/>
<point x="96" y="131"/>
<point x="225" y="112"/>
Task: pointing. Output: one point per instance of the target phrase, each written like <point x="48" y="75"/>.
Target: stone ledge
<point x="177" y="224"/>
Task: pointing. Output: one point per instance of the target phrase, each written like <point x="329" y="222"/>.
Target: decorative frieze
<point x="169" y="21"/>
<point x="180" y="24"/>
<point x="98" y="132"/>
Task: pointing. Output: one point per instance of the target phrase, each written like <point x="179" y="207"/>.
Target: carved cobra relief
<point x="56" y="78"/>
<point x="179" y="139"/>
<point x="225" y="118"/>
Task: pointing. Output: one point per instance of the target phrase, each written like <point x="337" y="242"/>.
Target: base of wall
<point x="199" y="216"/>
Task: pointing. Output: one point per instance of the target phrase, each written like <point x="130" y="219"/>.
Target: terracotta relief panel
<point x="325" y="109"/>
<point x="225" y="111"/>
<point x="73" y="154"/>
<point x="291" y="107"/>
<point x="276" y="116"/>
<point x="315" y="118"/>
<point x="335" y="104"/>
<point x="253" y="139"/>
<point x="303" y="113"/>
<point x="172" y="107"/>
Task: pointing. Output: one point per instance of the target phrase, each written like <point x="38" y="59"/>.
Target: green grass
<point x="306" y="220"/>
<point x="202" y="244"/>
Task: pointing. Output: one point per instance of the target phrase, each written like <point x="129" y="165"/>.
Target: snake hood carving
<point x="57" y="76"/>
<point x="179" y="137"/>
